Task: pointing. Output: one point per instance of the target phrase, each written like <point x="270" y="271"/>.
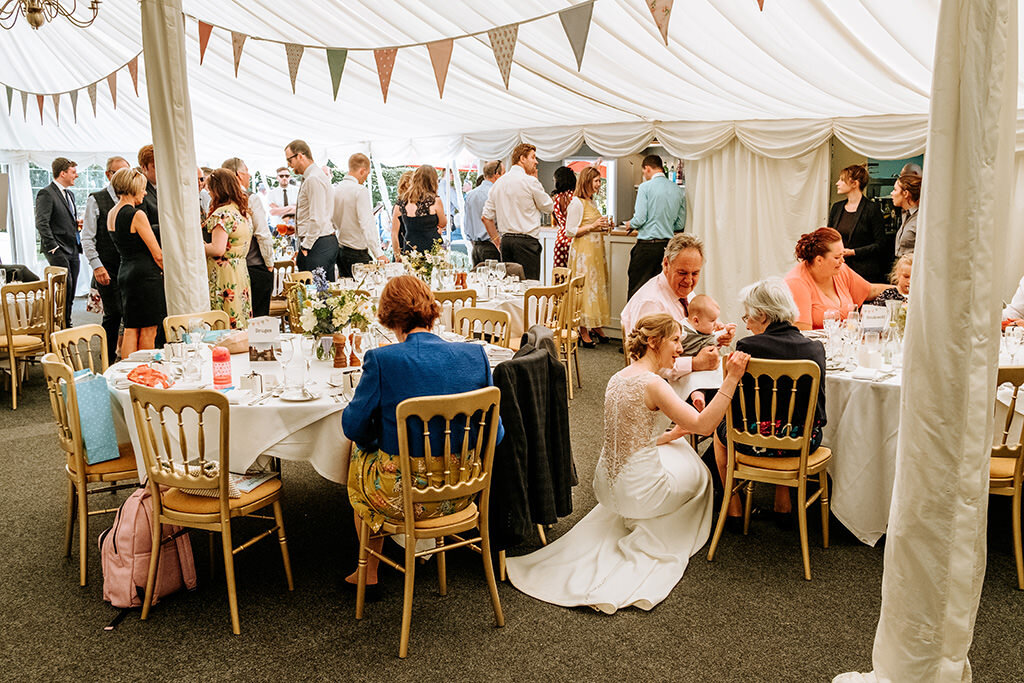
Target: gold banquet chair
<point x="452" y="300"/>
<point x="541" y="305"/>
<point x="60" y="384"/>
<point x="57" y="287"/>
<point x="81" y="347"/>
<point x="483" y="323"/>
<point x="301" y="276"/>
<point x="567" y="334"/>
<point x="207" y="504"/>
<point x="293" y="301"/>
<point x="278" y="300"/>
<point x="1007" y="463"/>
<point x="27" y="323"/>
<point x="559" y="275"/>
<point x="467" y="473"/>
<point x="743" y="470"/>
<point x="175" y="326"/>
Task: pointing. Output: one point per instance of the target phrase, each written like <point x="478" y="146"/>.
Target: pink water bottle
<point x="221" y="368"/>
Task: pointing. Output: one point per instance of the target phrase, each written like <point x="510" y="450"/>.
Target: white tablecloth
<point x="307" y="431"/>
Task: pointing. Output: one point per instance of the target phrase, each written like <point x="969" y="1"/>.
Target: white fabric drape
<point x="22" y="211"/>
<point x="185" y="280"/>
<point x="749" y="211"/>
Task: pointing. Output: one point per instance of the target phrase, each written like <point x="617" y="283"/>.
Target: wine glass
<point x="283" y="351"/>
<point x="830" y="323"/>
<point x="1013" y="336"/>
<point x="196" y="331"/>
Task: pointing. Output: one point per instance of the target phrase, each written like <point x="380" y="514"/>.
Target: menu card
<point x="264" y="331"/>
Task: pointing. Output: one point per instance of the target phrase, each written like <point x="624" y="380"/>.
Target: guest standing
<point x="565" y="184"/>
<point x="585" y="225"/>
<point x="259" y="259"/>
<point x="822" y="280"/>
<point x="906" y="195"/>
<point x="397" y="222"/>
<point x="421" y="364"/>
<point x="102" y="255"/>
<point x="358" y="238"/>
<point x="473" y="227"/>
<point x="314" y="206"/>
<point x="140" y="277"/>
<point x="147" y="164"/>
<point x="229" y="230"/>
<point x="422" y="211"/>
<point x="515" y="203"/>
<point x="57" y="225"/>
<point x="282" y="198"/>
<point x="859" y="222"/>
<point x="659" y="213"/>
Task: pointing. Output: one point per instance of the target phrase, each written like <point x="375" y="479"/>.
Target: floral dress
<point x="562" y="241"/>
<point x="587" y="258"/>
<point x="228" y="274"/>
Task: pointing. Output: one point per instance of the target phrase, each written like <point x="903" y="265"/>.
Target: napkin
<point x="864" y="373"/>
<point x="236" y="396"/>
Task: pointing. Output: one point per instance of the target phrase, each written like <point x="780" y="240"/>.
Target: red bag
<point x="125" y="550"/>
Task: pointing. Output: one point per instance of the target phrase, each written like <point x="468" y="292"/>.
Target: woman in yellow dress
<point x="228" y="231"/>
<point x="585" y="225"/>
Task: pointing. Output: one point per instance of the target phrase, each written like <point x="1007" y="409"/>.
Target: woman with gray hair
<point x="769" y="314"/>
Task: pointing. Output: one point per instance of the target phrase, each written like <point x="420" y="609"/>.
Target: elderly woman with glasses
<point x="770" y="312"/>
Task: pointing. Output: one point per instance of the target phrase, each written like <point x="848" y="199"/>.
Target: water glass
<point x="196" y="331"/>
<point x="192" y="370"/>
<point x="3" y="277"/>
<point x="283" y="351"/>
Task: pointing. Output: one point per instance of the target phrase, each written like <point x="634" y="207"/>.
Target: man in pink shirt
<point x="670" y="293"/>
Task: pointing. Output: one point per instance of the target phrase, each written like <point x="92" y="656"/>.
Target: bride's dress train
<point x="653" y="514"/>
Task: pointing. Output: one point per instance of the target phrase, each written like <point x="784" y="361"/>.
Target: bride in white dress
<point x="654" y="493"/>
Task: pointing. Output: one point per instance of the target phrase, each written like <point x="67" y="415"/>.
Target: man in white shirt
<point x="516" y="202"/>
<point x="282" y="198"/>
<point x="260" y="257"/>
<point x="473" y="229"/>
<point x="358" y="238"/>
<point x="102" y="255"/>
<point x="314" y="207"/>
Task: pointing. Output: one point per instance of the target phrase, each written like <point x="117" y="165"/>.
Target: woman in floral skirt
<point x="228" y="231"/>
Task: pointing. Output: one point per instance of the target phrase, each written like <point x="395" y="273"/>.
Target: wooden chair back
<point x="303" y="276"/>
<point x="83" y="346"/>
<point x="1004" y="446"/>
<point x="175" y="326"/>
<point x="26" y="309"/>
<point x="57" y="286"/>
<point x="542" y="305"/>
<point x="60" y="384"/>
<point x="483" y="323"/>
<point x="574" y="317"/>
<point x="559" y="274"/>
<point x="456" y="297"/>
<point x="770" y="414"/>
<point x="282" y="269"/>
<point x="293" y="296"/>
<point x="172" y="428"/>
<point x="456" y="470"/>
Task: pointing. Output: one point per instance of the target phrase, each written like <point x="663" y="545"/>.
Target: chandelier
<point x="38" y="12"/>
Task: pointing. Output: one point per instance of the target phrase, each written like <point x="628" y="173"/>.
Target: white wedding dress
<point x="653" y="514"/>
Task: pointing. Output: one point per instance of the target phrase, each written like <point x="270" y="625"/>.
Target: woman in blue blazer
<point x="422" y="364"/>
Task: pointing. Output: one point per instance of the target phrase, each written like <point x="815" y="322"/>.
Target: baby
<point x="703" y="318"/>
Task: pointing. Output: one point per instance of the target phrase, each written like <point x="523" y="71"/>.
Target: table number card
<point x="264" y="332"/>
<point x="872" y="318"/>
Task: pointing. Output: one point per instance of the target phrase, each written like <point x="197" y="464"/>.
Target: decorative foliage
<point x="423" y="265"/>
<point x="325" y="313"/>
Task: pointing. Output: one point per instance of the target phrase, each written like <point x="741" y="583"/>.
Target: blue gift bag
<point x="95" y="418"/>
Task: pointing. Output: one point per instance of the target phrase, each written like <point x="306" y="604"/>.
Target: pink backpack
<point x="125" y="550"/>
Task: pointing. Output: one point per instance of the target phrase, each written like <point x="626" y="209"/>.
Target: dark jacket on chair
<point x="873" y="254"/>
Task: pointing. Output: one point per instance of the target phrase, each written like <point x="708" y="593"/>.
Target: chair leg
<point x="364" y="540"/>
<point x="442" y="568"/>
<point x="748" y="505"/>
<point x="720" y="525"/>
<point x="279" y="518"/>
<point x="14" y="383"/>
<point x="410" y="578"/>
<point x="568" y="375"/>
<point x="83" y="535"/>
<point x="492" y="586"/>
<point x="540" y="531"/>
<point x="801" y="500"/>
<point x="1017" y="554"/>
<point x="576" y="362"/>
<point x="501" y="566"/>
<point x="229" y="573"/>
<point x="154" y="558"/>
<point x="823" y="482"/>
<point x="70" y="518"/>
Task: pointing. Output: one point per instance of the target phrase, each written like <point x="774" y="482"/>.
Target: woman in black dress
<point x="422" y="211"/>
<point x="859" y="220"/>
<point x="141" y="276"/>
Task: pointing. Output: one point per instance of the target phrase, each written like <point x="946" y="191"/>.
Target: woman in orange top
<point x="822" y="281"/>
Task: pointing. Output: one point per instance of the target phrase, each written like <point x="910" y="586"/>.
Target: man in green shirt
<point x="660" y="212"/>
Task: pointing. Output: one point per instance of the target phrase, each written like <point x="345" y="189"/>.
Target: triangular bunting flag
<point x="39" y="101"/>
<point x="74" y="104"/>
<point x="133" y="69"/>
<point x="336" y="64"/>
<point x="92" y="97"/>
<point x="10" y="97"/>
<point x="294" y="53"/>
<point x="661" y="10"/>
<point x="112" y="83"/>
<point x="385" y="59"/>
<point x="503" y="43"/>
<point x="56" y="107"/>
<point x="237" y="41"/>
<point x="440" y="57"/>
<point x="24" y="106"/>
<point x="760" y="5"/>
<point x="204" y="38"/>
<point x="576" y="24"/>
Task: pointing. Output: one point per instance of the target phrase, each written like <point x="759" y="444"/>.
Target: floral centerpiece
<point x="423" y="265"/>
<point x="325" y="312"/>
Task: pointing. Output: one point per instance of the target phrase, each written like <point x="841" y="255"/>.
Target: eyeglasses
<point x="284" y="176"/>
<point x="289" y="159"/>
<point x="745" y="318"/>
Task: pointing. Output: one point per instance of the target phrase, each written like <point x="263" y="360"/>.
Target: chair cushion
<point x="174" y="499"/>
<point x="463" y="515"/>
<point x="1002" y="468"/>
<point x="124" y="463"/>
<point x="782" y="464"/>
<point x="23" y="343"/>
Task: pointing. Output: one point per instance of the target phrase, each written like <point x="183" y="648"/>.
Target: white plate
<point x="299" y="398"/>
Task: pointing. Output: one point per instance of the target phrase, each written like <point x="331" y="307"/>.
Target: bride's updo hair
<point x="650" y="330"/>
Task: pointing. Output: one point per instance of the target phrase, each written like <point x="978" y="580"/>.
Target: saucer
<point x="299" y="397"/>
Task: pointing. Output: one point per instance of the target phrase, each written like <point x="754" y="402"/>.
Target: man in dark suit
<point x="147" y="164"/>
<point x="57" y="225"/>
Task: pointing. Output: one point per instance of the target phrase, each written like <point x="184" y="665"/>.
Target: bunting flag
<point x="294" y="53"/>
<point x="661" y="10"/>
<point x="10" y="98"/>
<point x="24" y="106"/>
<point x="760" y="5"/>
<point x="440" y="57"/>
<point x="39" y="101"/>
<point x="112" y="84"/>
<point x="576" y="24"/>
<point x="237" y="41"/>
<point x="92" y="98"/>
<point x="385" y="58"/>
<point x="336" y="64"/>
<point x="133" y="69"/>
<point x="204" y="38"/>
<point x="56" y="106"/>
<point x="74" y="104"/>
<point x="503" y="43"/>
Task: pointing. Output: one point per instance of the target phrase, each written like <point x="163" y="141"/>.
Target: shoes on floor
<point x="588" y="344"/>
<point x="601" y="339"/>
